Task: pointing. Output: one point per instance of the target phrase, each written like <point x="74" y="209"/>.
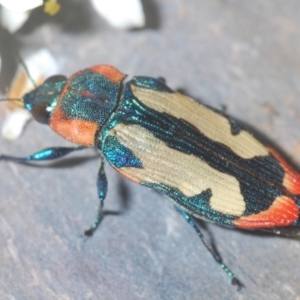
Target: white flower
<point x="15" y="120"/>
<point x="14" y="13"/>
<point x="21" y="5"/>
<point x="40" y="65"/>
<point x="123" y="14"/>
<point x="11" y="20"/>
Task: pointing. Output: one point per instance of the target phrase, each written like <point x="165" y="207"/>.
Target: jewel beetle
<point x="208" y="164"/>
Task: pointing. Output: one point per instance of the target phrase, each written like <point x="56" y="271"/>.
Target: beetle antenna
<point x="12" y="99"/>
<point x="26" y="69"/>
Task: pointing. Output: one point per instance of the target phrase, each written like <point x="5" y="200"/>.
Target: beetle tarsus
<point x="89" y="232"/>
<point x="234" y="280"/>
<point x="237" y="283"/>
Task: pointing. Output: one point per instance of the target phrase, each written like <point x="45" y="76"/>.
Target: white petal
<point x="14" y="123"/>
<point x="124" y="14"/>
<point x="21" y="5"/>
<point x="11" y="20"/>
<point x="40" y="66"/>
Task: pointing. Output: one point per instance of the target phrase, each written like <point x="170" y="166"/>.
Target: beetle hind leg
<point x="216" y="256"/>
<point x="102" y="190"/>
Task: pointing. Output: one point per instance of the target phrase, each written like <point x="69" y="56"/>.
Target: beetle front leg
<point x="102" y="190"/>
<point x="215" y="255"/>
<point x="45" y="154"/>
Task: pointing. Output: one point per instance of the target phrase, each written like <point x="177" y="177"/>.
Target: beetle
<point x="208" y="164"/>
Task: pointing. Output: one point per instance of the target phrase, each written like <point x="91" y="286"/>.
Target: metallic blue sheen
<point x="198" y="204"/>
<point x="42" y="155"/>
<point x="102" y="183"/>
<point x="91" y="97"/>
<point x="151" y="84"/>
<point x="49" y="92"/>
<point x="119" y="155"/>
<point x="52" y="153"/>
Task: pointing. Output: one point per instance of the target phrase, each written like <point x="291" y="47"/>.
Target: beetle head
<point x="42" y="100"/>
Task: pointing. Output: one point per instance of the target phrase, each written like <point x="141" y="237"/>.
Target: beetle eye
<point x="41" y="113"/>
<point x="56" y="78"/>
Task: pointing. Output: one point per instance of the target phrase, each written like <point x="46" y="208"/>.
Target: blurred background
<point x="237" y="53"/>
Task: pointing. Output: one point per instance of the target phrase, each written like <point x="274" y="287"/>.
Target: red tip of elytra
<point x="110" y="72"/>
<point x="283" y="212"/>
<point x="291" y="178"/>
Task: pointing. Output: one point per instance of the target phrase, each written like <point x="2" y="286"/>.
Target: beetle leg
<point x="215" y="255"/>
<point x="222" y="109"/>
<point x="102" y="190"/>
<point x="45" y="154"/>
<point x="161" y="79"/>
